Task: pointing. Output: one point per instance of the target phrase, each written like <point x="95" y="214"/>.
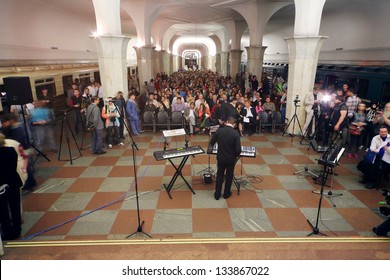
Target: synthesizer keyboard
<point x="179" y="152"/>
<point x="246" y="151"/>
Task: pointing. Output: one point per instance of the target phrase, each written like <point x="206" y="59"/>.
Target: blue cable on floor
<point x="31" y="236"/>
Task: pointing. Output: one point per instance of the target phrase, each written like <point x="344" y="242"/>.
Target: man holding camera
<point x="111" y="114"/>
<point x="312" y="108"/>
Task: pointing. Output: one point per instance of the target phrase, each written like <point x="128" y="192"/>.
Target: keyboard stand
<point x="235" y="181"/>
<point x="177" y="174"/>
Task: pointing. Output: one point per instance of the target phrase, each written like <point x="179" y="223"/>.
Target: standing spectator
<point x="380" y="144"/>
<point x="283" y="102"/>
<point x="345" y="90"/>
<point x="121" y="104"/>
<point x="352" y="102"/>
<point x="151" y="87"/>
<point x="264" y="81"/>
<point x="254" y="83"/>
<point x="93" y="115"/>
<point x="91" y="89"/>
<point x="12" y="129"/>
<point x="278" y="84"/>
<point x="385" y="116"/>
<point x="338" y="118"/>
<point x="229" y="148"/>
<point x="42" y="126"/>
<point x="312" y="107"/>
<point x="132" y="112"/>
<point x="99" y="93"/>
<point x="46" y="97"/>
<point x="10" y="211"/>
<point x="111" y="114"/>
<point x="371" y="116"/>
<point x="358" y="119"/>
<point x="76" y="103"/>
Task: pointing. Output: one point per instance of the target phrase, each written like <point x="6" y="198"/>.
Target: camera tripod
<point x="313" y="121"/>
<point x="65" y="124"/>
<point x="294" y="119"/>
<point x="306" y="170"/>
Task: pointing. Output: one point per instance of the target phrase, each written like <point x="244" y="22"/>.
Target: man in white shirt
<point x="380" y="144"/>
<point x="312" y="105"/>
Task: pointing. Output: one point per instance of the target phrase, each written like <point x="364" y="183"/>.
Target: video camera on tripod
<point x="296" y="100"/>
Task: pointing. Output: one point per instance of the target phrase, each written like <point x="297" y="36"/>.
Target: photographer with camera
<point x="312" y="108"/>
<point x="338" y="119"/>
<point x="111" y="115"/>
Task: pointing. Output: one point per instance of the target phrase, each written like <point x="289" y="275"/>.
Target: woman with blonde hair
<point x="385" y="118"/>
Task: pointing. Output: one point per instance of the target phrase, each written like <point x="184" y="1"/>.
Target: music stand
<point x="294" y="119"/>
<point x="67" y="129"/>
<point x="172" y="133"/>
<point x="323" y="181"/>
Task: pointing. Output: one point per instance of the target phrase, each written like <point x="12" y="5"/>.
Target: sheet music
<point x="174" y="132"/>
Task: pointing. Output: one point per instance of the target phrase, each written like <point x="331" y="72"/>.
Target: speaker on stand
<point x="19" y="92"/>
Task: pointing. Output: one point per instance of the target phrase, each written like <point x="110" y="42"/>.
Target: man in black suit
<point x="229" y="110"/>
<point x="229" y="148"/>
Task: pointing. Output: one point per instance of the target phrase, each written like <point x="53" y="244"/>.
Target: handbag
<point x="370" y="156"/>
<point x="90" y="125"/>
<point x="355" y="130"/>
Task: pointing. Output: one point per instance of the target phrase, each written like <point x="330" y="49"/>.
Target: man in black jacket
<point x="229" y="148"/>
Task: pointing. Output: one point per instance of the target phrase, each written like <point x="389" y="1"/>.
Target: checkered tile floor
<point x="94" y="198"/>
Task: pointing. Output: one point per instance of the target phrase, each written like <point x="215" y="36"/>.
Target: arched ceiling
<point x="188" y="17"/>
<point x="185" y="17"/>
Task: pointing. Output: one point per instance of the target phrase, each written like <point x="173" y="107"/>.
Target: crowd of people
<point x="361" y="126"/>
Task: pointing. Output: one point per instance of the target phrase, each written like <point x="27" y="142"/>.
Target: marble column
<point x="224" y="63"/>
<point x="165" y="56"/>
<point x="145" y="63"/>
<point x="255" y="60"/>
<point x="235" y="62"/>
<point x="303" y="59"/>
<point x="218" y="63"/>
<point x="112" y="51"/>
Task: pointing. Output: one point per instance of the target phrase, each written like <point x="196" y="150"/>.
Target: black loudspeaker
<point x="18" y="90"/>
<point x="207" y="178"/>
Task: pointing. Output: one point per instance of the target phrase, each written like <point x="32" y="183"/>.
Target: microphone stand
<point x="133" y="148"/>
